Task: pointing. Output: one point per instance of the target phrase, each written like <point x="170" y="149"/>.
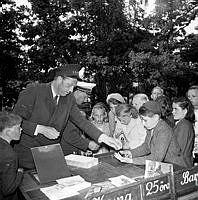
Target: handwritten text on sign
<point x="186" y="180"/>
<point x="157" y="187"/>
<point x="130" y="193"/>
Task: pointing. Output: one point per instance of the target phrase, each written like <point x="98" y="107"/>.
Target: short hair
<point x="142" y="96"/>
<point x="126" y="108"/>
<point x="193" y="87"/>
<point x="145" y="112"/>
<point x="8" y="120"/>
<point x="100" y="106"/>
<point x="184" y="103"/>
<point x="158" y="88"/>
<point x="165" y="105"/>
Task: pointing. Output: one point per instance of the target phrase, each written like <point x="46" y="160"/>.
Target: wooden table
<point x="108" y="167"/>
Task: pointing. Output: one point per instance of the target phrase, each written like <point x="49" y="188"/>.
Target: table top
<point x="108" y="167"/>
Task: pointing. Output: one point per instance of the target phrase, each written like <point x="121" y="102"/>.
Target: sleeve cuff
<point x="101" y="138"/>
<point x="36" y="131"/>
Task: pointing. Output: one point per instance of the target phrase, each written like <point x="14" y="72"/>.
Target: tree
<point x="10" y="49"/>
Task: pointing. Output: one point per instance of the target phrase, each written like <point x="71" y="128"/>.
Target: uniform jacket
<point x="35" y="105"/>
<point x="160" y="146"/>
<point x="72" y="140"/>
<point x="10" y="178"/>
<point x="185" y="136"/>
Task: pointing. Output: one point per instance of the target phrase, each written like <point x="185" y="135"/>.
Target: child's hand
<point x="93" y="146"/>
<point x="126" y="153"/>
<point x="116" y="144"/>
<point x="118" y="134"/>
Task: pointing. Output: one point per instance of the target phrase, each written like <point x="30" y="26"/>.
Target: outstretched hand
<point x="110" y="141"/>
<point x="126" y="153"/>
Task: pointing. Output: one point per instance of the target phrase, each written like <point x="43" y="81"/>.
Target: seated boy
<point x="160" y="143"/>
<point x="10" y="174"/>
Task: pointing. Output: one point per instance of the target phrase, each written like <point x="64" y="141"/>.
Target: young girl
<point x="129" y="128"/>
<point x="184" y="116"/>
<point x="100" y="120"/>
<point x="113" y="100"/>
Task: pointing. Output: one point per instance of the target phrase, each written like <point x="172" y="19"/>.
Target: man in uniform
<point x="45" y="110"/>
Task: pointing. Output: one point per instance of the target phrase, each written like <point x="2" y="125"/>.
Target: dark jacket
<point x="185" y="136"/>
<point x="160" y="146"/>
<point x="35" y="105"/>
<point x="10" y="178"/>
<point x="72" y="140"/>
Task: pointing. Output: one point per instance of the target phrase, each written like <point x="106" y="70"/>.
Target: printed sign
<point x="186" y="180"/>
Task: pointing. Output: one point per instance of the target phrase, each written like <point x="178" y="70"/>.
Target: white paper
<point x="81" y="161"/>
<point x="66" y="187"/>
<point x="74" y="183"/>
<point x="58" y="191"/>
<point x="121" y="180"/>
<point x="70" y="181"/>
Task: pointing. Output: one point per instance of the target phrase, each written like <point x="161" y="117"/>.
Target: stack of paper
<point x="81" y="161"/>
<point x="121" y="180"/>
<point x="57" y="192"/>
<point x="66" y="187"/>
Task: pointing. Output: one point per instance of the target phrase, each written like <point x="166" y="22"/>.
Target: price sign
<point x="157" y="187"/>
<point x="186" y="180"/>
<point x="131" y="192"/>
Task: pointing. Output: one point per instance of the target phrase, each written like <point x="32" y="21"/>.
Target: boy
<point x="10" y="174"/>
<point x="160" y="143"/>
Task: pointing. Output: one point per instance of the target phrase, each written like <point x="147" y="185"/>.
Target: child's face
<point x="137" y="103"/>
<point x="156" y="93"/>
<point x="193" y="97"/>
<point x="15" y="132"/>
<point x="150" y="122"/>
<point x="124" y="118"/>
<point x="98" y="116"/>
<point x="112" y="107"/>
<point x="178" y="112"/>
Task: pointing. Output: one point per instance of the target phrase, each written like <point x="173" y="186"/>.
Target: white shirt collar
<point x="54" y="94"/>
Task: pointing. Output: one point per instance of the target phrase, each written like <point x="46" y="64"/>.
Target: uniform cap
<point x="68" y="70"/>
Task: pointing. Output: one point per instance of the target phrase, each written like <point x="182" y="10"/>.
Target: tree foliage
<point x="119" y="45"/>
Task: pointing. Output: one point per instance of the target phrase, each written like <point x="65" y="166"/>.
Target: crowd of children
<point x="156" y="129"/>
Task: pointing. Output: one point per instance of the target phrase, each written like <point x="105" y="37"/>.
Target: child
<point x="139" y="99"/>
<point x="183" y="114"/>
<point x="129" y="128"/>
<point x="10" y="174"/>
<point x="113" y="100"/>
<point x="160" y="143"/>
<point x="100" y="120"/>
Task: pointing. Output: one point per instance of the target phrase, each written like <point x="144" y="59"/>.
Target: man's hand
<point x="110" y="141"/>
<point x="126" y="153"/>
<point x="93" y="145"/>
<point x="48" y="132"/>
